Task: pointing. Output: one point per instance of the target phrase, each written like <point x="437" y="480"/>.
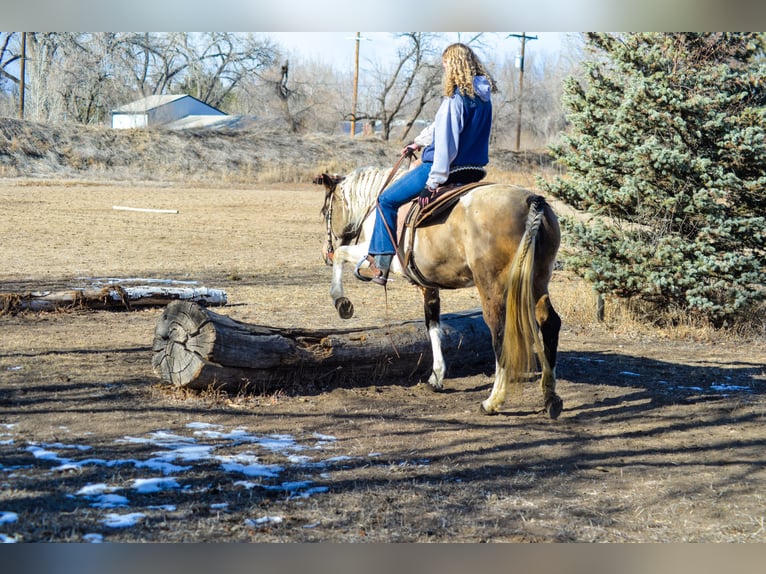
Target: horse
<point x="500" y="238"/>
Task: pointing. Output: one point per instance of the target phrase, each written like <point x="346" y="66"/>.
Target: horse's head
<point x="349" y="200"/>
<point x="330" y="182"/>
<point x="334" y="225"/>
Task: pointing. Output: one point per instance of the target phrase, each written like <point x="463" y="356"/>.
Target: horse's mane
<point x="359" y="190"/>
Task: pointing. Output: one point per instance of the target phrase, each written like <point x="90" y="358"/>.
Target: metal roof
<point x="149" y="103"/>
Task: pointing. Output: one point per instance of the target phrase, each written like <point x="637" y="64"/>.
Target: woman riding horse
<point x="458" y="152"/>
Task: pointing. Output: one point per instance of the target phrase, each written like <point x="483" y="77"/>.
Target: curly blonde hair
<point x="460" y="66"/>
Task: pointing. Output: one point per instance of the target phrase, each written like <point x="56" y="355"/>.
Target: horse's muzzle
<point x="328" y="253"/>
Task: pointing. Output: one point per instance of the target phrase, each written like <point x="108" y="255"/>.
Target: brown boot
<point x="371" y="272"/>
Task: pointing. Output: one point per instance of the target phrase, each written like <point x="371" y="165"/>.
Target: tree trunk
<point x="197" y="348"/>
<point x="114" y="297"/>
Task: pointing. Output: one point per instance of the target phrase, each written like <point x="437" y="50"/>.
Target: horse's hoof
<point x="435" y="385"/>
<point x="345" y="307"/>
<point x="483" y="410"/>
<point x="553" y="406"/>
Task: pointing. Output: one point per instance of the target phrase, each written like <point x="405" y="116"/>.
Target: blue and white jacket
<point x="460" y="133"/>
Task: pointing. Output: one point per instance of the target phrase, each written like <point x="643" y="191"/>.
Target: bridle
<point x="329" y="247"/>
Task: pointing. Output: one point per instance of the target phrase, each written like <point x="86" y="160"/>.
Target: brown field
<point x="661" y="438"/>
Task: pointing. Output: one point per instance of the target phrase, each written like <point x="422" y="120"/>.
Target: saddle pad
<point x="446" y="198"/>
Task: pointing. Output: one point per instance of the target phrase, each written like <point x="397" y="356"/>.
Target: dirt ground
<point x="660" y="439"/>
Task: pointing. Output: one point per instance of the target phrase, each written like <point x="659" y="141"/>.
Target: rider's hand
<point x="427" y="195"/>
<point x="410" y="149"/>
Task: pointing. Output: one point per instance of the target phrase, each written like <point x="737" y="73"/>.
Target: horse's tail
<point x="521" y="339"/>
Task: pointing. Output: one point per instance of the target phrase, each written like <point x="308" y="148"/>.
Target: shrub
<point x="666" y="155"/>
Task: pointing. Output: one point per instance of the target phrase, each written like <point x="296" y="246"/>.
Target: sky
<point x="338" y="48"/>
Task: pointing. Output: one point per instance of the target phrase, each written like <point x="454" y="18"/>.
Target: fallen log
<point x="112" y="297"/>
<point x="197" y="348"/>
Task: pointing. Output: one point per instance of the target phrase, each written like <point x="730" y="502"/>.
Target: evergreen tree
<point x="667" y="156"/>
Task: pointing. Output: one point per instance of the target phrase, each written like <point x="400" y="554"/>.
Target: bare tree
<point x="81" y="76"/>
<point x="9" y="55"/>
<point x="219" y="61"/>
<point x="296" y="95"/>
<point x="408" y="87"/>
<point x="154" y="61"/>
<point x="43" y="51"/>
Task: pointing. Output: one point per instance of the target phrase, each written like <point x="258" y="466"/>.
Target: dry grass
<point x="629" y="460"/>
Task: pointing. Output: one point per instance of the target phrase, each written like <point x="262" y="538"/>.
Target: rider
<point x="458" y="153"/>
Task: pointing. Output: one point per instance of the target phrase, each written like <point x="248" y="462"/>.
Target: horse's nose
<point x="327" y="254"/>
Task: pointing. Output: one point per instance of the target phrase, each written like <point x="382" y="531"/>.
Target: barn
<point x="162" y="111"/>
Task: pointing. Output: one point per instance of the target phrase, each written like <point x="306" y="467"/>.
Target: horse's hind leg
<point x="432" y="308"/>
<point x="550" y="325"/>
<point x="494" y="317"/>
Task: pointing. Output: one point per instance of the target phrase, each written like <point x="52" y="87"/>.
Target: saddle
<point x="418" y="216"/>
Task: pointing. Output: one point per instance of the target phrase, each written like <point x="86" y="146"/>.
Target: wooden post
<point x="600" y="307"/>
<point x="22" y="74"/>
<point x="356" y="85"/>
<point x="196" y="348"/>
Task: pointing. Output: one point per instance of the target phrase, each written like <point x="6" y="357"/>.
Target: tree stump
<point x="197" y="348"/>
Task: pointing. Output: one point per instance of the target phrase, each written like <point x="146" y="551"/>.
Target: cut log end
<point x="183" y="343"/>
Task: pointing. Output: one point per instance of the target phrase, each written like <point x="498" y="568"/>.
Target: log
<point x="197" y="348"/>
<point x="113" y="297"/>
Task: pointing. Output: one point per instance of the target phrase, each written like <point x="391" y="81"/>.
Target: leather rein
<point x="329" y="246"/>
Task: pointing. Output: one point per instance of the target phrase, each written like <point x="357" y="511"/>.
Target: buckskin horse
<point x="501" y="238"/>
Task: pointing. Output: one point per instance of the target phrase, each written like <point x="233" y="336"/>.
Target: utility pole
<point x="358" y="38"/>
<point x="22" y="74"/>
<point x="356" y="85"/>
<point x="524" y="39"/>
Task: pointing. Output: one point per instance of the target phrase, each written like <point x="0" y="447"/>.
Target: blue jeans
<point x="404" y="189"/>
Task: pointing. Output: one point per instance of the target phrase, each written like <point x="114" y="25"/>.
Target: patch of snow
<point x="113" y="520"/>
<point x="263" y="521"/>
<point x="730" y="388"/>
<point x="250" y="467"/>
<point x="110" y="501"/>
<point x="95" y="489"/>
<point x="149" y="485"/>
<point x="8" y="517"/>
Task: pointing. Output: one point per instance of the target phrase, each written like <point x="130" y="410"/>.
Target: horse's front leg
<point x="432" y="308"/>
<point x="348" y="253"/>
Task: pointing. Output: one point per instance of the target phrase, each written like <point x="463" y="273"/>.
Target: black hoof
<point x="345" y="308"/>
<point x="553" y="406"/>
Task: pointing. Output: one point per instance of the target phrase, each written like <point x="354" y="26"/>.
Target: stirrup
<point x="357" y="269"/>
<point x="371" y="272"/>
